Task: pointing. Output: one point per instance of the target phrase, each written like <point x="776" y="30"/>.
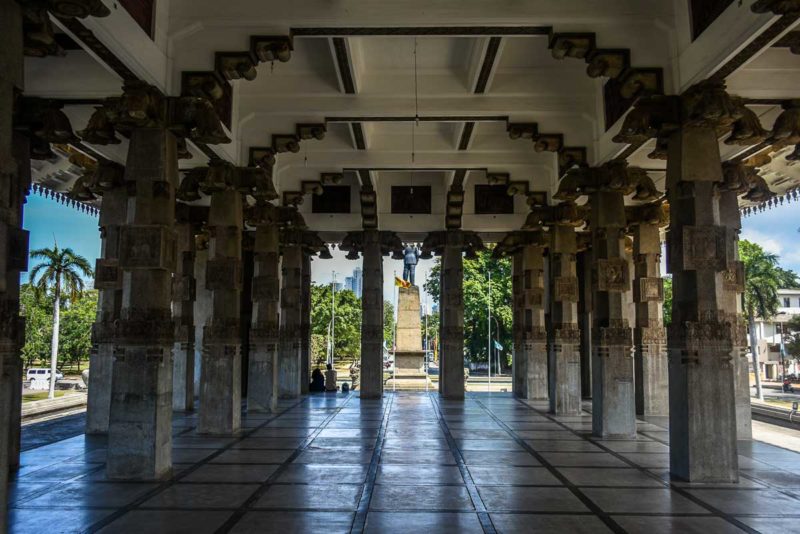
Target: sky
<point x="777" y="230"/>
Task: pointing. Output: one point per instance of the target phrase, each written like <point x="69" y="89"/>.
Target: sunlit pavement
<point x="407" y="463"/>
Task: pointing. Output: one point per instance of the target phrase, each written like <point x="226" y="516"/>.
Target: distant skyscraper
<point x="348" y="284"/>
<point x="358" y="279"/>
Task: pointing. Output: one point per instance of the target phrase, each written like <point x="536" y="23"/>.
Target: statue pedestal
<point x="409" y="358"/>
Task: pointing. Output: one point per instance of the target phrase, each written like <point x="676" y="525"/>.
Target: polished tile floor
<point x="409" y="463"/>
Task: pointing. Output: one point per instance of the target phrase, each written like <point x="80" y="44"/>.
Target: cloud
<point x="767" y="242"/>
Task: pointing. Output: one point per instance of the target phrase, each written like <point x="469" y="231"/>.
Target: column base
<point x="220" y="390"/>
<point x="652" y="380"/>
<point x="565" y="380"/>
<point x="744" y="414"/>
<point x="289" y="369"/>
<point x="702" y="416"/>
<point x="183" y="377"/>
<point x="613" y="399"/>
<point x="140" y="424"/>
<point x="260" y="377"/>
<point x="98" y="402"/>
<point x="536" y="356"/>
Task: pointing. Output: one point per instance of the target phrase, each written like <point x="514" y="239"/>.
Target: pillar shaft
<point x="564" y="355"/>
<point x="183" y="296"/>
<point x="701" y="389"/>
<point x="140" y="425"/>
<point x="733" y="285"/>
<point x="289" y="347"/>
<point x="109" y="283"/>
<point x="585" y="300"/>
<point x="372" y="317"/>
<point x="262" y="390"/>
<point x="613" y="395"/>
<point x="220" y="381"/>
<point x="14" y="172"/>
<point x="534" y="334"/>
<point x="305" y="326"/>
<point x="451" y="366"/>
<point x="520" y="363"/>
<point x="649" y="335"/>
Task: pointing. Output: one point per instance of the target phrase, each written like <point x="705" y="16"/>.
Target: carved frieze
<point x="617" y="335"/>
<point x="705" y="247"/>
<point x="653" y="335"/>
<point x="651" y="289"/>
<point x="567" y="334"/>
<point x="733" y="277"/>
<point x="224" y="274"/>
<point x="613" y="275"/>
<point x="107" y="274"/>
<point x="147" y="247"/>
<point x="266" y="288"/>
<point x="535" y="334"/>
<point x="565" y="289"/>
<point x="222" y="332"/>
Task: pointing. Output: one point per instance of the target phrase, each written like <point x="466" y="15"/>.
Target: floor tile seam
<point x="475" y="497"/>
<point x="362" y="508"/>
<point x="262" y="489"/>
<point x="175" y="478"/>
<point x="769" y="485"/>
<point x="680" y="491"/>
<point x="585" y="500"/>
<point x="52" y="487"/>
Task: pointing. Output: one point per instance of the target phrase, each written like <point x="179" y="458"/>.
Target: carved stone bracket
<point x="613" y="275"/>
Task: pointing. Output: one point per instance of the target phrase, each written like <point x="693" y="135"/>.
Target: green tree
<point x="388" y="323"/>
<point x="791" y="337"/>
<point x="38" y="313"/>
<point x="75" y="340"/>
<point x="59" y="273"/>
<point x="763" y="278"/>
<point x="432" y="328"/>
<point x="476" y="302"/>
<point x="347" y="320"/>
<point x="667" y="300"/>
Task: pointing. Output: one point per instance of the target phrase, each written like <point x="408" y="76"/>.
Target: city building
<point x="769" y="333"/>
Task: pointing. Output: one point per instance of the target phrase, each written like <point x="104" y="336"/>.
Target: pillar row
<point x="183" y="297"/>
<point x="520" y="363"/>
<point x="613" y="394"/>
<point x="108" y="280"/>
<point x="372" y="317"/>
<point x="220" y="381"/>
<point x="534" y="335"/>
<point x="262" y="385"/>
<point x="564" y="353"/>
<point x="14" y="172"/>
<point x="291" y="309"/>
<point x="451" y="367"/>
<point x="140" y="426"/>
<point x="701" y="375"/>
<point x="649" y="335"/>
<point x="305" y="325"/>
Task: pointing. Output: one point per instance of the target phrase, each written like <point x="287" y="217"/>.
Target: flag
<point x="399" y="282"/>
<point x="497" y="345"/>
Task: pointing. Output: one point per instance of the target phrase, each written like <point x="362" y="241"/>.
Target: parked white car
<point x="38" y="373"/>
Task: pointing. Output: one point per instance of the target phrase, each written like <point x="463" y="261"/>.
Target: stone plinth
<point x="409" y="358"/>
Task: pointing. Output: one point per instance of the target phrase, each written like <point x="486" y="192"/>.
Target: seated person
<point x="330" y="379"/>
<point x="317" y="381"/>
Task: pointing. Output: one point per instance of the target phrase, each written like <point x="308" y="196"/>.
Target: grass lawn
<point x="30" y="397"/>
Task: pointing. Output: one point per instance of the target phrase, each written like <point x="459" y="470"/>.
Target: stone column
<point x="733" y="285"/>
<point x="564" y="355"/>
<point x="140" y="426"/>
<point x="649" y="335"/>
<point x="108" y="280"/>
<point x="702" y="409"/>
<point x="613" y="395"/>
<point x="14" y="173"/>
<point x="262" y="391"/>
<point x="534" y="335"/>
<point x="372" y="317"/>
<point x="305" y="326"/>
<point x="291" y="295"/>
<point x="451" y="366"/>
<point x="520" y="367"/>
<point x="585" y="300"/>
<point x="220" y="382"/>
<point x="183" y="297"/>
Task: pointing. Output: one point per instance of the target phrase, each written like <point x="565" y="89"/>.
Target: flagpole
<point x="394" y="343"/>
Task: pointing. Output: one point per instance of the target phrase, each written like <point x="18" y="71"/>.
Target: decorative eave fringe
<point x="61" y="198"/>
<point x="788" y="196"/>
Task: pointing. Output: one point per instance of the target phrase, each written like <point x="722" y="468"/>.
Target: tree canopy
<point x="347" y="323"/>
<point x="476" y="302"/>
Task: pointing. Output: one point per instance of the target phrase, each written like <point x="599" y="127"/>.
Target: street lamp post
<point x="333" y="316"/>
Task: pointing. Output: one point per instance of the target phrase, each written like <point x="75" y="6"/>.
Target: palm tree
<point x="762" y="280"/>
<point x="60" y="271"/>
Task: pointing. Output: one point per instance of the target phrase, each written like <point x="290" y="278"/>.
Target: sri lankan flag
<point x="399" y="282"/>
